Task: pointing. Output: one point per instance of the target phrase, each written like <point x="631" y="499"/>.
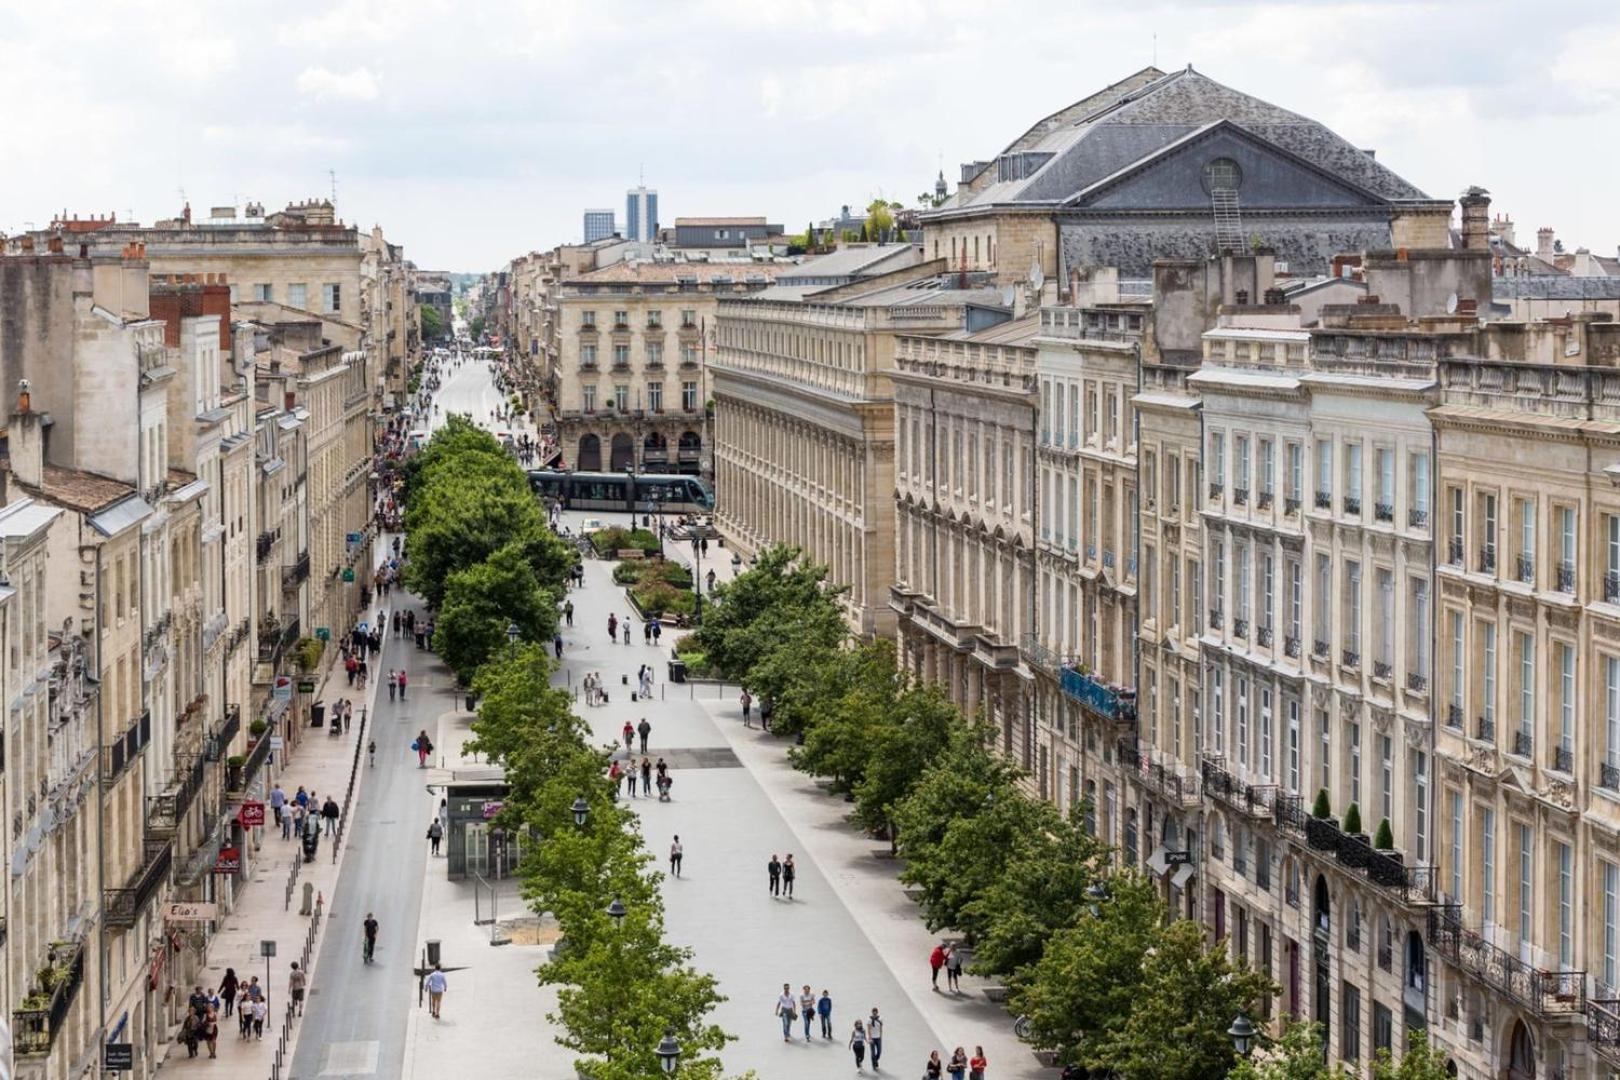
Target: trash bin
<point x="472" y="703"/>
<point x="677" y="670"/>
<point x="317" y="715"/>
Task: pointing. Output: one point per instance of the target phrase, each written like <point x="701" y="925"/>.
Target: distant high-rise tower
<point x="641" y="214"/>
<point x="598" y="225"/>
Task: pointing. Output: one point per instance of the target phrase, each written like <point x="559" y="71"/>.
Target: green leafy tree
<point x="782" y="599"/>
<point x="482" y="601"/>
<point x="1089" y="976"/>
<point x="879" y="220"/>
<point x="1041" y="890"/>
<point x="1422" y="1061"/>
<point x="1297" y="1055"/>
<point x="915" y="731"/>
<point x="1185" y="1001"/>
<point x="433" y="328"/>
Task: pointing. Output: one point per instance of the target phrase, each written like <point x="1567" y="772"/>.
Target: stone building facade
<point x="629" y="381"/>
<point x="965" y="407"/>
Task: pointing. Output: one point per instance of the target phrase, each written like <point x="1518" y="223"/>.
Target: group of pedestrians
<point x="205" y="1008"/>
<point x="595" y="694"/>
<point x="946" y="958"/>
<point x="291" y="813"/>
<point x="782" y="873"/>
<point x="625" y="775"/>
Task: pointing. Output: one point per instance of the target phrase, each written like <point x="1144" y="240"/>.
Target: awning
<point x="1156" y="861"/>
<point x="1184" y="873"/>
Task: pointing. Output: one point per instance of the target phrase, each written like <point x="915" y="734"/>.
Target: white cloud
<point x="324" y="85"/>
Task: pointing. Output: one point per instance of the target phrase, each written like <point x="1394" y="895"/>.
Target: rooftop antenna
<point x="332" y="175"/>
<point x="1155" y="48"/>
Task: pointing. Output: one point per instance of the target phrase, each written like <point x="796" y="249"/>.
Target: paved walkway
<point x="321" y="763"/>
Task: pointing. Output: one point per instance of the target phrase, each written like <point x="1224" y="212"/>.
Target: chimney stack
<point x="26" y="441"/>
<point x="1476" y="220"/>
<point x="1544" y="242"/>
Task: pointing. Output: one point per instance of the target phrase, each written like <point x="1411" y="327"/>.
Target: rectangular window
<point x="1352" y="610"/>
<point x="1174" y="577"/>
<point x="1240" y="462"/>
<point x="655" y="319"/>
<point x="1352" y="474"/>
<point x="1526" y="513"/>
<point x="1566" y="699"/>
<point x="1527" y="688"/>
<point x="1324" y="472"/>
<point x="1386" y="775"/>
<point x="1265" y="733"/>
<point x="1487" y="869"/>
<point x="1459" y="533"/>
<point x="1420" y="489"/>
<point x="1456" y="846"/>
<point x="1217" y="701"/>
<point x="1488" y="671"/>
<point x="298" y="297"/>
<point x="621" y="318"/>
<point x="587" y="355"/>
<point x="688" y="316"/>
<point x="1611" y="561"/>
<point x="655" y="396"/>
<point x="1385" y="461"/>
<point x="1324" y="604"/>
<point x="1566" y="905"/>
<point x="587" y="318"/>
<point x="1324" y="739"/>
<point x="689" y="396"/>
<point x="1267" y="468"/>
<point x="1488" y="539"/>
<point x="1240" y="686"/>
<point x="621" y="355"/>
<point x="1241" y="563"/>
<point x="1457" y="653"/>
<point x="1383" y="1028"/>
<point x="1350" y="1011"/>
<point x="332" y="298"/>
<point x="655" y="354"/>
<point x="1217" y="459"/>
<point x="264" y="292"/>
<point x="1420" y="804"/>
<point x="587" y="395"/>
<point x="1527" y="883"/>
<point x="1296" y="600"/>
<point x="1293" y="747"/>
<point x="1566" y="549"/>
<point x="1353" y="738"/>
<point x="1386" y="620"/>
<point x="1611" y="712"/>
<point x="621" y="397"/>
<point x="1420" y="630"/>
<point x="1296" y="471"/>
<point x="1611" y="923"/>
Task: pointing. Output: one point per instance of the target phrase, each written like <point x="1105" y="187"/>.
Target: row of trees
<point x="484" y="557"/>
<point x="1087" y="951"/>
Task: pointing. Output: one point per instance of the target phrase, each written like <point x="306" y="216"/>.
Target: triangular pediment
<point x="1267" y="177"/>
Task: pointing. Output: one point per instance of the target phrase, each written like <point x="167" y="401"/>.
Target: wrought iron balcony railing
<point x="1545" y="993"/>
<point x="1563" y="759"/>
<point x="1454" y="716"/>
<point x="1454" y="551"/>
<point x="1352" y="505"/>
<point x="34" y="1031"/>
<point x="124" y="906"/>
<point x="1418" y="684"/>
<point x="1384" y="511"/>
<point x="1417" y="519"/>
<point x="1485" y="729"/>
<point x="1324" y="500"/>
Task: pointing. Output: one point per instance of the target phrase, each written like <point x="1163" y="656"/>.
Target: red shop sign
<point x="228" y="862"/>
<point x="251" y="815"/>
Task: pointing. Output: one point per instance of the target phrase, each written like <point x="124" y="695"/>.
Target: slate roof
<point x="1126" y="124"/>
<point x="1556" y="287"/>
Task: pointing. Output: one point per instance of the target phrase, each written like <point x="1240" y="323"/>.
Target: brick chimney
<point x="1476" y="219"/>
<point x="1544" y="242"/>
<point x="26" y="440"/>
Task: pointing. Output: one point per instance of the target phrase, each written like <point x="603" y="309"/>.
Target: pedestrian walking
<point x="437" y="984"/>
<point x="568" y="612"/>
<point x="210" y="1032"/>
<point x="444" y="817"/>
<point x="278" y="800"/>
<point x="675" y="854"/>
<point x="435" y="834"/>
<point x="351" y="667"/>
<point x="936" y="961"/>
<point x="261" y="1010"/>
<point x="807" y="1009"/>
<point x="630" y="779"/>
<point x="393" y="684"/>
<point x="244" y="1014"/>
<point x="616" y="775"/>
<point x="423" y="747"/>
<point x="785" y="1011"/>
<point x="330" y="812"/>
<point x="227" y="990"/>
<point x="556" y="644"/>
<point x="789" y="872"/>
<point x="629" y="736"/>
<point x="857" y="1043"/>
<point x="646" y="776"/>
<point x="646" y="633"/>
<point x="824" y="1010"/>
<point x="934" y="1068"/>
<point x="977" y="1064"/>
<point x="953" y="969"/>
<point x="643" y="729"/>
<point x="402" y="681"/>
<point x="627" y="629"/>
<point x="766" y="709"/>
<point x="958" y="1064"/>
<point x="297" y="980"/>
<point x="613" y="629"/>
<point x="774" y="869"/>
<point x="747" y="700"/>
<point x="657" y="630"/>
<point x="874" y="1035"/>
<point x="190" y="1033"/>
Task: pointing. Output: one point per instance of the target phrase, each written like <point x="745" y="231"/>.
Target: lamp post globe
<point x="1242" y="1032"/>
<point x="513" y="633"/>
<point x="582" y="810"/>
<point x="617" y="911"/>
<point x="669" y="1052"/>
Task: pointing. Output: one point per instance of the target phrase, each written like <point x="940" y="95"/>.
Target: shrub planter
<point x="1322" y="834"/>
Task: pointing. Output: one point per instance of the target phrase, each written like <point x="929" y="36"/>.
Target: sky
<point x="476" y="132"/>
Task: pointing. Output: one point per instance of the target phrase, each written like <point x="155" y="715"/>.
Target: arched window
<point x="1321" y="908"/>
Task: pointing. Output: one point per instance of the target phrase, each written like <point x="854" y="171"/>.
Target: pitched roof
<point x="671" y="272"/>
<point x="1077" y="147"/>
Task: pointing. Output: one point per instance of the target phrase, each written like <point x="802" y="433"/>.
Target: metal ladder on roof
<point x="1228" y="219"/>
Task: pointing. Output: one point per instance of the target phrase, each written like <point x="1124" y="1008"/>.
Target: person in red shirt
<point x="936" y="960"/>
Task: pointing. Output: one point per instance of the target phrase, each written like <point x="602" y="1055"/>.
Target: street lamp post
<point x="582" y="810"/>
<point x="697" y="575"/>
<point x="512" y="634"/>
<point x="617" y="911"/>
<point x="1097" y="893"/>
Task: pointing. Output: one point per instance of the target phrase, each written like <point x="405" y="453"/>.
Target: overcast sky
<point x="474" y="132"/>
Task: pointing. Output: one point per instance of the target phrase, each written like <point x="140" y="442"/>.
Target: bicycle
<point x="1021" y="1026"/>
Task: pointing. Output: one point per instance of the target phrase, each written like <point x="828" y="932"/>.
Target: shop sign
<point x="229" y="861"/>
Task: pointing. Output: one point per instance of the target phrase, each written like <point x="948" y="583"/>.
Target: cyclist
<point x="371" y="936"/>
